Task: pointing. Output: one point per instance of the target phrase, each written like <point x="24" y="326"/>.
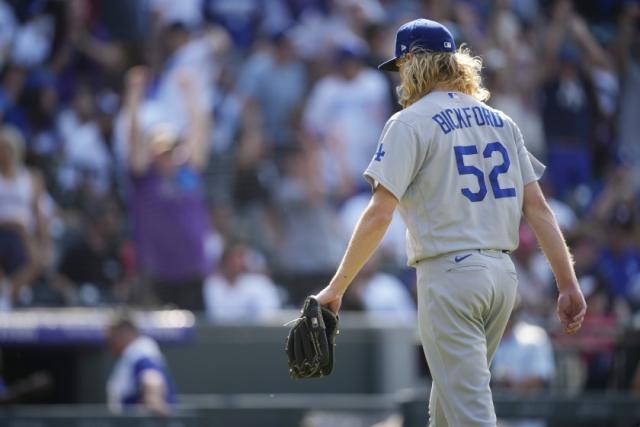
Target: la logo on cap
<point x="430" y="36"/>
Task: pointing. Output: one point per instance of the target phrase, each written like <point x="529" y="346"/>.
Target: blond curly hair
<point x="421" y="71"/>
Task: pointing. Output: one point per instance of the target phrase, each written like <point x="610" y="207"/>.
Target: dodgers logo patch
<point x="379" y="154"/>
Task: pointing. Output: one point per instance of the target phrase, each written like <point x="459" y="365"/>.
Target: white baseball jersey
<point x="458" y="168"/>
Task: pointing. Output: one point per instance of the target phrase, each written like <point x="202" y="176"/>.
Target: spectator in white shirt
<point x="524" y="362"/>
<point x="33" y="40"/>
<point x="376" y="291"/>
<point x="87" y="162"/>
<point x="238" y="294"/>
<point x="346" y="111"/>
<point x="187" y="12"/>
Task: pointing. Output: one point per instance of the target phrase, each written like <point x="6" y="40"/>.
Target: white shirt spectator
<point x="523" y="354"/>
<point x="86" y="156"/>
<point x="351" y="114"/>
<point x="251" y="298"/>
<point x="316" y="34"/>
<point x="32" y="41"/>
<point x="386" y="295"/>
<point x="187" y="12"/>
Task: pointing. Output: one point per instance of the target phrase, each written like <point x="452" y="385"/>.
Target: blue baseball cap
<point x="423" y="33"/>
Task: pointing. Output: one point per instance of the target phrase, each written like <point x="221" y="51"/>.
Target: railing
<point x="288" y="410"/>
<point x="598" y="409"/>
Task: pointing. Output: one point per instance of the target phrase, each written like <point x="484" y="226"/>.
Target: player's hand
<point x="329" y="298"/>
<point x="571" y="309"/>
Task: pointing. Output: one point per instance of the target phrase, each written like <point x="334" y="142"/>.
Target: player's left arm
<point x="571" y="303"/>
<point x="366" y="237"/>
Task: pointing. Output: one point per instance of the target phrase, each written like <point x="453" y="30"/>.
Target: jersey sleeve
<point x="144" y="364"/>
<point x="530" y="167"/>
<point x="397" y="159"/>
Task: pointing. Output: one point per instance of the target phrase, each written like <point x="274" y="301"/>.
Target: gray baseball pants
<point x="464" y="303"/>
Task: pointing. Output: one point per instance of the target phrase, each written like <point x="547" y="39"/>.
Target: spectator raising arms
<point x="166" y="198"/>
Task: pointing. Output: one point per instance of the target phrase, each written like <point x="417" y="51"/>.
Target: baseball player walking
<point x="461" y="176"/>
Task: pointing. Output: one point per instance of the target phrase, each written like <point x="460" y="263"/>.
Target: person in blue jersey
<point x="140" y="375"/>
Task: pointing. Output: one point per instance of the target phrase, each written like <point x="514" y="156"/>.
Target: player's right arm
<point x="134" y="94"/>
<point x="199" y="125"/>
<point x="571" y="304"/>
<point x="153" y="391"/>
<point x="365" y="239"/>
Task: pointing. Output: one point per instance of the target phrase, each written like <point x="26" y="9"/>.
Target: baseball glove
<point x="311" y="341"/>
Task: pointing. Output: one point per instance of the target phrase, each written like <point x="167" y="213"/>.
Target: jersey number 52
<point x="498" y="192"/>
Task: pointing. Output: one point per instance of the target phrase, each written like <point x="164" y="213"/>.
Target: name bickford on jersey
<point x="458" y="168"/>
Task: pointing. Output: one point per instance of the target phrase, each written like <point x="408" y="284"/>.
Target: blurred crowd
<point x="207" y="154"/>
